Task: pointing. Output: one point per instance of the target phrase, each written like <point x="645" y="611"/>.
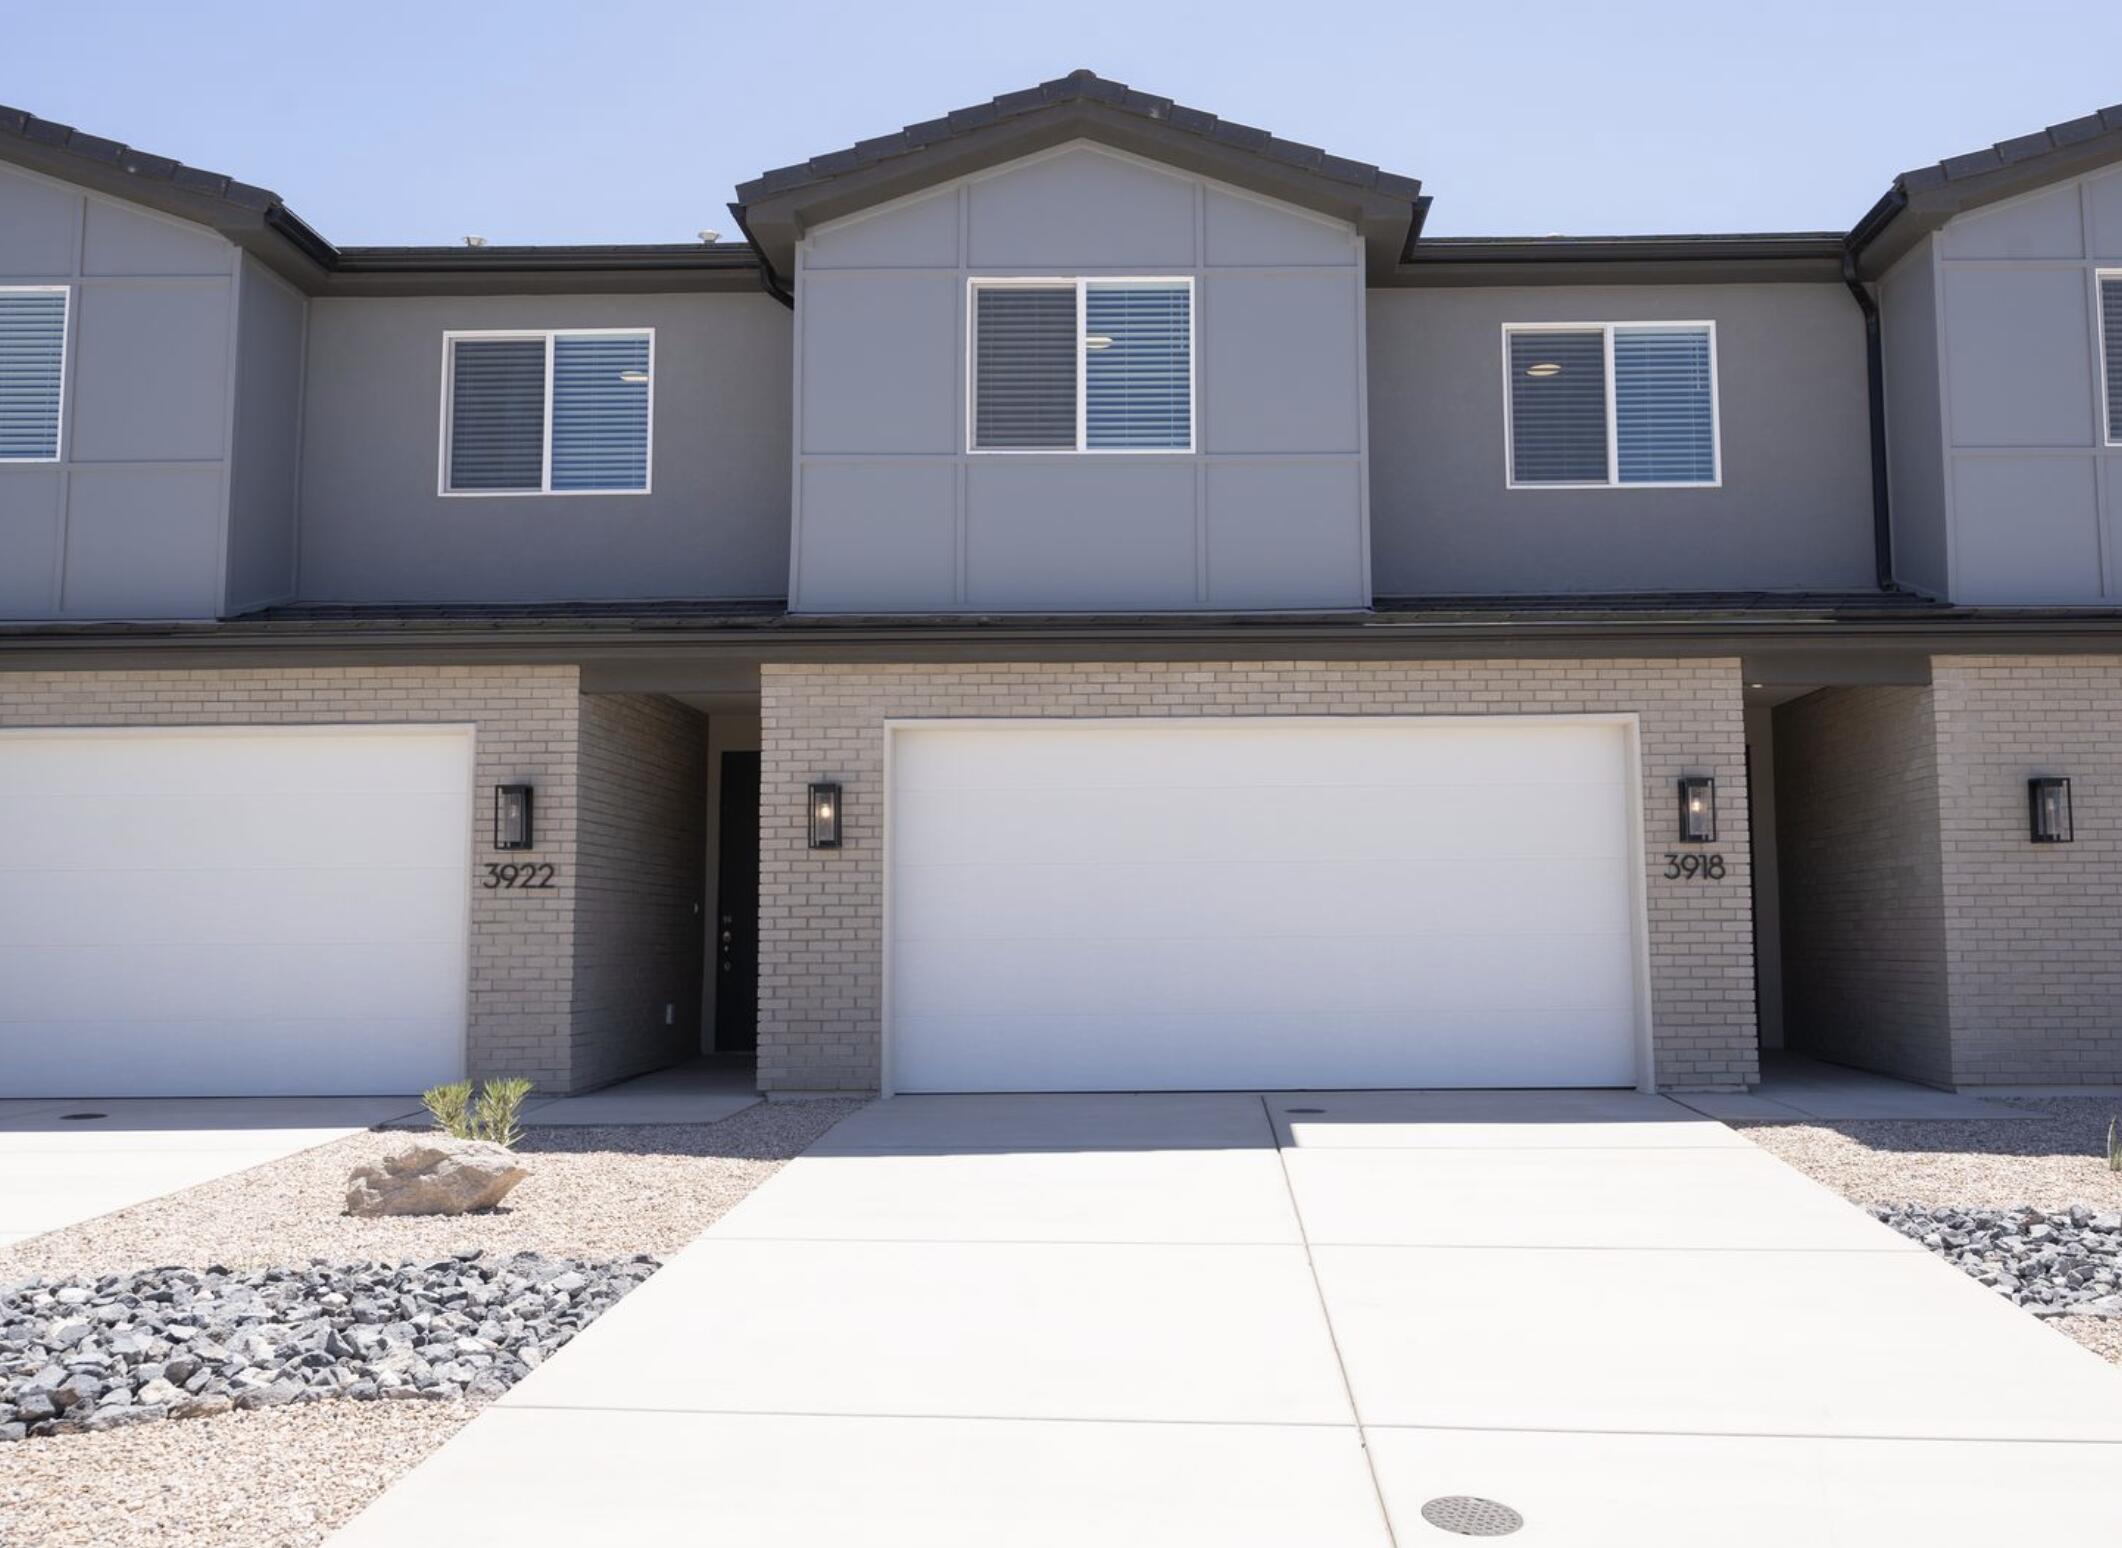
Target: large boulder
<point x="435" y="1177"/>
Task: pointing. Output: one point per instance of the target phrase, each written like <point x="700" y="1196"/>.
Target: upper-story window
<point x="2111" y="351"/>
<point x="564" y="411"/>
<point x="32" y="371"/>
<point x="1081" y="365"/>
<point x="1603" y="405"/>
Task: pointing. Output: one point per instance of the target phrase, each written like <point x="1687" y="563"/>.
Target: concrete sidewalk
<point x="1250" y="1321"/>
<point x="67" y="1161"/>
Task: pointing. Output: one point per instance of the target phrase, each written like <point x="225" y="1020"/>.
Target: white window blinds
<point x="1082" y="365"/>
<point x="549" y="413"/>
<point x="1024" y="368"/>
<point x="32" y="373"/>
<point x="1558" y="408"/>
<point x="1612" y="404"/>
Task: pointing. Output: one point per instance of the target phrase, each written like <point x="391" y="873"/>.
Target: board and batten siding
<point x="173" y="493"/>
<point x="2005" y="489"/>
<point x="893" y="514"/>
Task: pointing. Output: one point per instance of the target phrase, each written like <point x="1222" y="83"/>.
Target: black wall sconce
<point x="1698" y="809"/>
<point x="2048" y="810"/>
<point x="825" y="816"/>
<point x="512" y="816"/>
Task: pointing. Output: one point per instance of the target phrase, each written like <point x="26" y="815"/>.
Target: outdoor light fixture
<point x="1698" y="809"/>
<point x="2048" y="810"/>
<point x="825" y="816"/>
<point x="512" y="816"/>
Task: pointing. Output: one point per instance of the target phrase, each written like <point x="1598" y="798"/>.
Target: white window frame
<point x="1082" y="284"/>
<point x="545" y="474"/>
<point x="1607" y="330"/>
<point x="2100" y="278"/>
<point x="66" y="340"/>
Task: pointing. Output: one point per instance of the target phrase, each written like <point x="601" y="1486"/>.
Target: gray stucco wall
<point x="1915" y="431"/>
<point x="894" y="514"/>
<point x="373" y="527"/>
<point x="131" y="522"/>
<point x="1794" y="509"/>
<point x="272" y="320"/>
<point x="2031" y="494"/>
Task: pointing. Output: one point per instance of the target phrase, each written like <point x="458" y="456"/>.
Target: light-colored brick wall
<point x="1862" y="885"/>
<point x="821" y="937"/>
<point x="2033" y="931"/>
<point x="639" y="884"/>
<point x="526" y="726"/>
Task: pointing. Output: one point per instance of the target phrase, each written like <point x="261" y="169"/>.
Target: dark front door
<point x="737" y="907"/>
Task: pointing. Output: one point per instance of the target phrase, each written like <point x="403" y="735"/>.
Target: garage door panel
<point x="1294" y="976"/>
<point x="1058" y="1052"/>
<point x="226" y="983"/>
<point x="217" y="912"/>
<point x="304" y="762"/>
<point x="1260" y="902"/>
<point x="1113" y="754"/>
<point x="197" y="908"/>
<point x="369" y="1056"/>
<point x="1187" y="823"/>
<point x="140" y="832"/>
<point x="1222" y="904"/>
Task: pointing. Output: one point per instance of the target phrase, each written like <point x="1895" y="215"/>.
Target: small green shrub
<point x="499" y="1103"/>
<point x="492" y="1117"/>
<point x="450" y="1107"/>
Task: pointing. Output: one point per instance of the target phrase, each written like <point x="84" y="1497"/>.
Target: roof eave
<point x="779" y="217"/>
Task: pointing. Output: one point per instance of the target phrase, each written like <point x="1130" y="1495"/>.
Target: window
<point x="2111" y="351"/>
<point x="32" y="371"/>
<point x="1095" y="365"/>
<point x="565" y="412"/>
<point x="1603" y="405"/>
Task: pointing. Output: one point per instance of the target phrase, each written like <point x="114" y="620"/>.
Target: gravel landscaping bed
<point x="2027" y="1206"/>
<point x="593" y="1193"/>
<point x="277" y="1478"/>
<point x="181" y="1344"/>
<point x="2053" y="1158"/>
<point x="449" y="1310"/>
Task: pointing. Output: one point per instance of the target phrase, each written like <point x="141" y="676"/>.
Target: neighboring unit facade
<point x="1085" y="596"/>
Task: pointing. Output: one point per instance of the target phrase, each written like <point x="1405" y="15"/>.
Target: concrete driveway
<point x="66" y="1161"/>
<point x="1245" y="1320"/>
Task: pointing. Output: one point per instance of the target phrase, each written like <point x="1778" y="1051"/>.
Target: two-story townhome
<point x="1084" y="596"/>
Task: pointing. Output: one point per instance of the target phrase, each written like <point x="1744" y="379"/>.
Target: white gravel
<point x="277" y="1478"/>
<point x="592" y="1193"/>
<point x="2054" y="1157"/>
<point x="287" y="1477"/>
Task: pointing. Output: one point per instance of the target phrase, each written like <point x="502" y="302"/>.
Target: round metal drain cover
<point x="1471" y="1516"/>
<point x="69" y="1117"/>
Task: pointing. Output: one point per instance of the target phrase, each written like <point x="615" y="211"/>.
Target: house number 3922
<point x="533" y="876"/>
<point x="1679" y="867"/>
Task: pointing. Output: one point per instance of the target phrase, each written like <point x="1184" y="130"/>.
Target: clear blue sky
<point x="534" y="121"/>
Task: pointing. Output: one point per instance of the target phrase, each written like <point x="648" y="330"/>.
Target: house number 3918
<point x="1679" y="867"/>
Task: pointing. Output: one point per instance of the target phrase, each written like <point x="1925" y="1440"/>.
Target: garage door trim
<point x="1629" y="723"/>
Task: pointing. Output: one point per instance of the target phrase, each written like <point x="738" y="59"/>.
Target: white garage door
<point x="241" y="913"/>
<point x="1321" y="903"/>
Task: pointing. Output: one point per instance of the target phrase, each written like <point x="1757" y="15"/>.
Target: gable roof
<point x="777" y="207"/>
<point x="259" y="221"/>
<point x="1925" y="198"/>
